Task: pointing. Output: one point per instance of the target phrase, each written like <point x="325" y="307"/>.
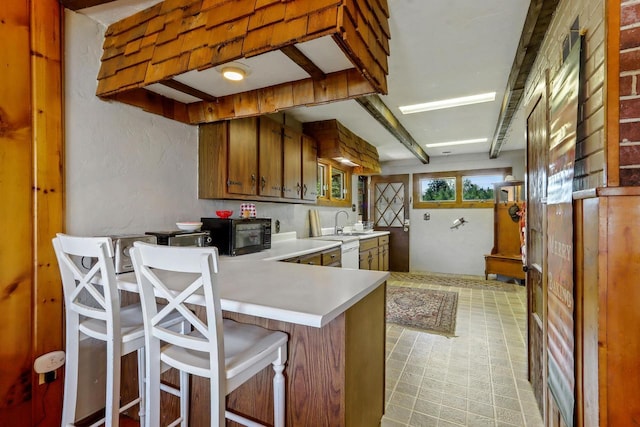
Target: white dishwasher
<point x="350" y="251"/>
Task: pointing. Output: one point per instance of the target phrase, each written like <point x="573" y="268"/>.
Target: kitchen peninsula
<point x="335" y="319"/>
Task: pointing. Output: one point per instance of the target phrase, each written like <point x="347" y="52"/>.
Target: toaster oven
<point x="122" y="244"/>
<point x="181" y="238"/>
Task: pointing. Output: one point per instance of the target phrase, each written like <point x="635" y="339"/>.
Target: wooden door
<point x="270" y="155"/>
<point x="391" y="213"/>
<point x="31" y="184"/>
<point x="536" y="237"/>
<point x="292" y="176"/>
<point x="243" y="156"/>
<point x="309" y="168"/>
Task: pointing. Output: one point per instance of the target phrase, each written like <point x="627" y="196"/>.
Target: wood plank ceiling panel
<point x="178" y="36"/>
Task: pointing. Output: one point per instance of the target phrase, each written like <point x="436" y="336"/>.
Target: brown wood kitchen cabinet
<point x="270" y="158"/>
<point x="383" y="253"/>
<point x="242" y="172"/>
<point x="309" y="169"/>
<point x="374" y="253"/>
<point x="292" y="175"/>
<point x="255" y="159"/>
<point x="327" y="258"/>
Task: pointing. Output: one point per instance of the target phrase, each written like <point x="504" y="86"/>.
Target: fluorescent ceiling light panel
<point x="465" y="141"/>
<point x="448" y="103"/>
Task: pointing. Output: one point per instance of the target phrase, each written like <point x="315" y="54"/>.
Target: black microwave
<point x="238" y="236"/>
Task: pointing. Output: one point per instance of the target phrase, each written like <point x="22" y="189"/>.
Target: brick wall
<point x="590" y="153"/>
<point x="630" y="92"/>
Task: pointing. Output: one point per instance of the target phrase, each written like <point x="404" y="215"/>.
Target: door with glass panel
<point x="390" y="212"/>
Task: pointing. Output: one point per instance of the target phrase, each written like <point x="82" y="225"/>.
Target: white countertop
<point x="294" y="293"/>
<point x="288" y="249"/>
<point x="348" y="237"/>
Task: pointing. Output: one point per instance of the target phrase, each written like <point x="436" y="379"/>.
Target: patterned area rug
<point x="430" y="310"/>
<point x="461" y="281"/>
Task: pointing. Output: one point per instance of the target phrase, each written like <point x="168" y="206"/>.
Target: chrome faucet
<point x="337" y="230"/>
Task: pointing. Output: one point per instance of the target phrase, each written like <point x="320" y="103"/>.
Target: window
<point x="338" y="190"/>
<point x="438" y="189"/>
<point x="334" y="184"/>
<point x="456" y="189"/>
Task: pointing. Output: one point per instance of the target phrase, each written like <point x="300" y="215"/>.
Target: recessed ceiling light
<point x="448" y="103"/>
<point x="233" y="73"/>
<point x="465" y="141"/>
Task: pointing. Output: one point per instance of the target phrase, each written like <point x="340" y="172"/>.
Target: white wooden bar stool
<point x="227" y="352"/>
<point x="92" y="308"/>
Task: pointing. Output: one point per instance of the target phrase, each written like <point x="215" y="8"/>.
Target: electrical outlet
<point x="47" y="377"/>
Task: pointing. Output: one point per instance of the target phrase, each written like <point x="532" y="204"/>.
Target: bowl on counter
<point x="189" y="225"/>
<point x="224" y="214"/>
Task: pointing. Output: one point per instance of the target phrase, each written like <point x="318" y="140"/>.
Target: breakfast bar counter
<point x="294" y="293"/>
<point x="335" y="319"/>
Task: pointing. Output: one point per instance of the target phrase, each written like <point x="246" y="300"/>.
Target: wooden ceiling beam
<point x="188" y="90"/>
<point x="379" y="110"/>
<point x="535" y="27"/>
<point x="303" y="62"/>
<point x="82" y="4"/>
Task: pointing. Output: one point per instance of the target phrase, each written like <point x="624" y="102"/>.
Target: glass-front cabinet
<point x="334" y="184"/>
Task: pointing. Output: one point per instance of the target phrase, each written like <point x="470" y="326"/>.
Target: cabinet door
<point x="270" y="155"/>
<point x="383" y="258"/>
<point x="309" y="168"/>
<point x="311" y="259"/>
<point x="332" y="257"/>
<point x="243" y="156"/>
<point x="369" y="259"/>
<point x="292" y="186"/>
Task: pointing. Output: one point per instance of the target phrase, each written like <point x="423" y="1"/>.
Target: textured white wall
<point x="434" y="246"/>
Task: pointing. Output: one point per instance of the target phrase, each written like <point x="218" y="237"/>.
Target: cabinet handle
<point x="253" y="179"/>
<point x="263" y="183"/>
<point x="304" y="186"/>
<point x="298" y="187"/>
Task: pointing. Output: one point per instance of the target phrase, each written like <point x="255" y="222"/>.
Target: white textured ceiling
<point x="439" y="49"/>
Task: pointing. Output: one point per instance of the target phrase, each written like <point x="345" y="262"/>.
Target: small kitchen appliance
<point x="122" y="244"/>
<point x="181" y="238"/>
<point x="238" y="236"/>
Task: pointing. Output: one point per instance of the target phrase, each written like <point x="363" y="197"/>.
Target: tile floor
<point x="477" y="378"/>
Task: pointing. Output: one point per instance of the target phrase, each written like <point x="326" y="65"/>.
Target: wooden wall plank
<point x="16" y="277"/>
<point x="31" y="184"/>
<point x="48" y="219"/>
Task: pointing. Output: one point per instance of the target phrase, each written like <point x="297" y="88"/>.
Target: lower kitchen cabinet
<point x="374" y="253"/>
<point x="383" y="253"/>
<point x="328" y="258"/>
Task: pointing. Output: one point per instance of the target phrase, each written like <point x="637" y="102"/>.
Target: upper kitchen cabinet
<point x="341" y="154"/>
<point x="242" y="170"/>
<point x="309" y="169"/>
<point x="256" y="159"/>
<point x="292" y="149"/>
<point x="270" y="158"/>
